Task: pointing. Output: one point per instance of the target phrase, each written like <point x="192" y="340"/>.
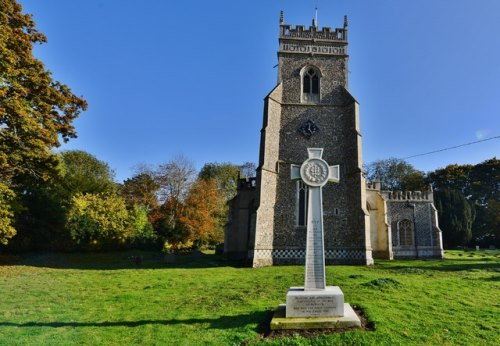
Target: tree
<point x="480" y="186"/>
<point x="395" y="174"/>
<point x="201" y="217"/>
<point x="456" y="216"/>
<point x="41" y="220"/>
<point x="453" y="177"/>
<point x="94" y="219"/>
<point x="35" y="111"/>
<point x="83" y="173"/>
<point x="225" y="175"/>
<point x="142" y="190"/>
<point x="6" y="214"/>
<point x="141" y="229"/>
<point x="174" y="178"/>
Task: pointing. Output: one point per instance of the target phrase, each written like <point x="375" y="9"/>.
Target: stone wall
<point x="241" y="220"/>
<point x="417" y="207"/>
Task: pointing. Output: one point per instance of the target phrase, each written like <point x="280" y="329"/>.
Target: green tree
<point x="35" y="110"/>
<point x="97" y="219"/>
<point x="225" y="176"/>
<point x="41" y="220"/>
<point x="453" y="177"/>
<point x="141" y="229"/>
<point x="83" y="173"/>
<point x="456" y="215"/>
<point x="395" y="174"/>
<point x="480" y="186"/>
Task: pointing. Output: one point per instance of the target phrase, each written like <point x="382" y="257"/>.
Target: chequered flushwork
<point x="289" y="253"/>
<point x="349" y="254"/>
<point x="301" y="253"/>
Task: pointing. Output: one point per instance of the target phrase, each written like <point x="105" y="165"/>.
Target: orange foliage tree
<point x="203" y="207"/>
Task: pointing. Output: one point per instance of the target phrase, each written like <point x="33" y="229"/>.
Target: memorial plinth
<point x="328" y="302"/>
<point x="315" y="305"/>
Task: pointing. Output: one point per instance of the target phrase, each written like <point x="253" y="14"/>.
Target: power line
<point x="454" y="147"/>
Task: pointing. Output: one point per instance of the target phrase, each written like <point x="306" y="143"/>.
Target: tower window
<point x="310" y="85"/>
<point x="405" y="232"/>
<point x="301" y="202"/>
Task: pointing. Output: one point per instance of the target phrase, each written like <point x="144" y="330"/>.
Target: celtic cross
<point x="315" y="173"/>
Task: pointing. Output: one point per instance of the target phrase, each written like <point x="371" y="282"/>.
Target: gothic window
<point x="405" y="232"/>
<point x="301" y="202"/>
<point x="310" y="85"/>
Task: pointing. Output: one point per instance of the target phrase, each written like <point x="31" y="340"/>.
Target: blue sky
<point x="188" y="77"/>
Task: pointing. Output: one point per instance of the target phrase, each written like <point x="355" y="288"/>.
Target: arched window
<point x="405" y="232"/>
<point x="310" y="84"/>
<point x="301" y="202"/>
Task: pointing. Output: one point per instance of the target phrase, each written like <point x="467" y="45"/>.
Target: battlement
<point x="313" y="32"/>
<point x="424" y="196"/>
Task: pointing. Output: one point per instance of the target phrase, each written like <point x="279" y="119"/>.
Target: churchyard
<point x="109" y="299"/>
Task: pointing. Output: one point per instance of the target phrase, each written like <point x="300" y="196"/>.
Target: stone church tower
<point x="310" y="107"/>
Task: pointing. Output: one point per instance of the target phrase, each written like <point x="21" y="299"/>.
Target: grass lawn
<point x="104" y="299"/>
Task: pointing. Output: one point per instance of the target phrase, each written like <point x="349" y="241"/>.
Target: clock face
<point x="314" y="172"/>
<point x="308" y="129"/>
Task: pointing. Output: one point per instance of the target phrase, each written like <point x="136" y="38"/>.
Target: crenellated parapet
<point x="423" y="196"/>
<point x="313" y="40"/>
<point x="300" y="32"/>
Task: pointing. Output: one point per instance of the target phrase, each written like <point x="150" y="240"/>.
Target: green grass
<point x="104" y="299"/>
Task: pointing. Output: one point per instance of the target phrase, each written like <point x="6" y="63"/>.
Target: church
<point x="311" y="107"/>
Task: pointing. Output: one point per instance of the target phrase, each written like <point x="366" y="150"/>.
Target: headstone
<point x="315" y="300"/>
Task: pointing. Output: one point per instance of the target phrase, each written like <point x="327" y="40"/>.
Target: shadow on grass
<point x="261" y="318"/>
<point x="118" y="261"/>
<point x="445" y="266"/>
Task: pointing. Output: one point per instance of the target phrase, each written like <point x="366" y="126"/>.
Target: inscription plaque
<point x="327" y="302"/>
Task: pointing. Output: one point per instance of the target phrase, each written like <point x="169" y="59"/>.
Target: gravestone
<point x="315" y="305"/>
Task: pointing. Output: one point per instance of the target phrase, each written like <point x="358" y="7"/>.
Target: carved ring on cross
<point x="314" y="172"/>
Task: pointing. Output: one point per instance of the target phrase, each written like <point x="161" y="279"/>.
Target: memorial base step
<point x="281" y="322"/>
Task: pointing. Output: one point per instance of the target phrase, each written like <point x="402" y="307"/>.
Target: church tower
<point x="310" y="107"/>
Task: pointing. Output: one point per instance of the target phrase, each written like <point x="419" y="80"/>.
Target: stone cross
<point x="315" y="173"/>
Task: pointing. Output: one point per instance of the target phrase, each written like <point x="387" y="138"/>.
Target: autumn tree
<point x="36" y="112"/>
<point x="201" y="220"/>
<point x="174" y="178"/>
